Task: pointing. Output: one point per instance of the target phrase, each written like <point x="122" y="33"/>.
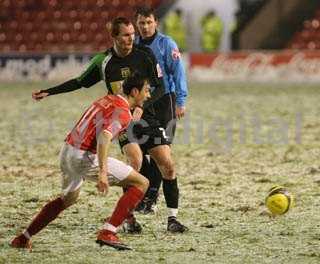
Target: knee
<point x="144" y="183"/>
<point x="134" y="155"/>
<point x="136" y="163"/>
<point x="170" y="172"/>
<point x="141" y="183"/>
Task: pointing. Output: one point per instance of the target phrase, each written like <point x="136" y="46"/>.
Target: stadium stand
<point x="246" y="12"/>
<point x="276" y="23"/>
<point x="308" y="37"/>
<point x="61" y="26"/>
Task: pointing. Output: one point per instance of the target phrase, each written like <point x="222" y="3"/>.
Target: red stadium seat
<point x="99" y="38"/>
<point x="24" y="16"/>
<point x="57" y="14"/>
<point x="5" y="4"/>
<point x="13" y="25"/>
<point x="22" y="48"/>
<point x="102" y="3"/>
<point x="93" y="26"/>
<point x="41" y="17"/>
<point x="18" y="38"/>
<point x="62" y="26"/>
<point x="38" y="47"/>
<point x="73" y="14"/>
<point x="34" y="37"/>
<point x="6" y="48"/>
<point x="115" y="3"/>
<point x="3" y="37"/>
<point x="69" y="5"/>
<point x="307" y="24"/>
<point x="20" y="4"/>
<point x="89" y="15"/>
<point x="315" y="23"/>
<point x="311" y="45"/>
<point x="53" y="3"/>
<point x="309" y="36"/>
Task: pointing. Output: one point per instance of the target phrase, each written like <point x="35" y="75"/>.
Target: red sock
<point x="128" y="201"/>
<point x="47" y="214"/>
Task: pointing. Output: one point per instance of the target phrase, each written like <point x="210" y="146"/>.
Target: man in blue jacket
<point x="169" y="107"/>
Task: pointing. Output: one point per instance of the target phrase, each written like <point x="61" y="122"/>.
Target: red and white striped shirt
<point x="111" y="113"/>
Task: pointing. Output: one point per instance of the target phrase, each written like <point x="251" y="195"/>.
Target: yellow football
<point x="279" y="200"/>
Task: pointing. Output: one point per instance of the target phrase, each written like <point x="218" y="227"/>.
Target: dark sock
<point x="152" y="173"/>
<point x="171" y="193"/>
<point x="145" y="168"/>
<point x="156" y="176"/>
<point x="152" y="194"/>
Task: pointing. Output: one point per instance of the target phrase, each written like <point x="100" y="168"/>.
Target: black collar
<point x="149" y="40"/>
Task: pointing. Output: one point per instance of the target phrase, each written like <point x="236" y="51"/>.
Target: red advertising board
<point x="282" y="65"/>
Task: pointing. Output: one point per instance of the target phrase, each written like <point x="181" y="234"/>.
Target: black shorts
<point x="165" y="109"/>
<point x="146" y="137"/>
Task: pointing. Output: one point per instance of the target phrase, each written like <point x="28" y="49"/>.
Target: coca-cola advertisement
<point x="288" y="66"/>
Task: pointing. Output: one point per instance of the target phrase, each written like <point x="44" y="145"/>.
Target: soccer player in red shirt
<point x="85" y="156"/>
<point x="113" y="66"/>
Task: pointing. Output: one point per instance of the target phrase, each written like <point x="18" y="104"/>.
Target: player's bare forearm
<point x="104" y="141"/>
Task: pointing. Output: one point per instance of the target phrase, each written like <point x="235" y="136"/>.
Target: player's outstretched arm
<point x="65" y="87"/>
<point x="87" y="79"/>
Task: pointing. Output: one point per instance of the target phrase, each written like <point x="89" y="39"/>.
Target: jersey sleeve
<point x="88" y="78"/>
<point x="65" y="87"/>
<point x="92" y="73"/>
<point x="176" y="69"/>
<point x="118" y="121"/>
<point x="155" y="77"/>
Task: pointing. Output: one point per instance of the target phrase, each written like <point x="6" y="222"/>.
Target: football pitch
<point x="237" y="141"/>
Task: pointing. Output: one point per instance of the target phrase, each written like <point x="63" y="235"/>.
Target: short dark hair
<point x="116" y="23"/>
<point x="145" y="11"/>
<point x="135" y="80"/>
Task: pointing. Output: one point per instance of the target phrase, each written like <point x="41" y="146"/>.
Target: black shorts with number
<point x="150" y="136"/>
<point x="146" y="136"/>
<point x="165" y="109"/>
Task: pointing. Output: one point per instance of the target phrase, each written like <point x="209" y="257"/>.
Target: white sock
<point x="172" y="212"/>
<point x="26" y="234"/>
<point x="109" y="227"/>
